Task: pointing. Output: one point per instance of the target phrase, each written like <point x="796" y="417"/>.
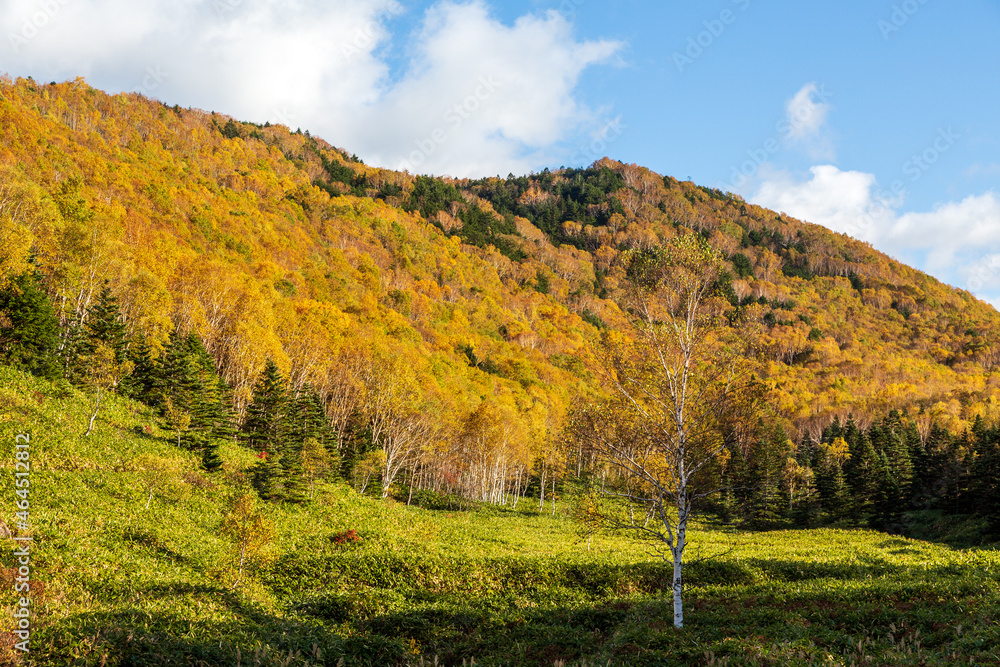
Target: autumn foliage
<point x="445" y="323"/>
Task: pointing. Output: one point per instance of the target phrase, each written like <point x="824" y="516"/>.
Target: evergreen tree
<point x="862" y="472"/>
<point x="357" y="442"/>
<point x="104" y="325"/>
<point x="833" y="431"/>
<point x="72" y="351"/>
<point x="807" y="509"/>
<point x="141" y="384"/>
<point x="29" y="330"/>
<point x="894" y="489"/>
<point x="885" y="510"/>
<point x="961" y="459"/>
<point x="305" y="421"/>
<point x="188" y="391"/>
<point x="223" y="424"/>
<point x="734" y="502"/>
<point x="851" y="433"/>
<point x="210" y="459"/>
<point x="210" y="399"/>
<point x="758" y="485"/>
<point x="309" y="419"/>
<point x="265" y="429"/>
<point x="936" y="472"/>
<point x="293" y="474"/>
<point x="832" y="488"/>
<point x="267" y="476"/>
<point x="175" y="377"/>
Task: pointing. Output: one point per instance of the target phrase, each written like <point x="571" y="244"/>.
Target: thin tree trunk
<point x="243" y="553"/>
<point x="678" y="553"/>
<point x="93" y="416"/>
<point x="553" y="495"/>
<point x="150" y="498"/>
<point x="541" y="491"/>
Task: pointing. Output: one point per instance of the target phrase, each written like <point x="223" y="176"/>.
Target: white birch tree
<point x="682" y="391"/>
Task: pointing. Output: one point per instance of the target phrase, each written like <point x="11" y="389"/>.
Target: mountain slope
<point x="272" y="244"/>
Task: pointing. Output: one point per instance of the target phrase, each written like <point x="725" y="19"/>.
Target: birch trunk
<point x="553" y="495"/>
<point x="541" y="492"/>
<point x="93" y="415"/>
<point x="678" y="554"/>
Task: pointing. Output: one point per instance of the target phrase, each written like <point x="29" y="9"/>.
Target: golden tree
<point x="104" y="373"/>
<point x="316" y="462"/>
<point x="250" y="530"/>
<point x="682" y="390"/>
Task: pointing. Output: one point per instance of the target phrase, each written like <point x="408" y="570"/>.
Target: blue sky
<point x="876" y="118"/>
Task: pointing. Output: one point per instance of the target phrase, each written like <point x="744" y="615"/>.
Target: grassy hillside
<point x="127" y="585"/>
<point x="467" y="312"/>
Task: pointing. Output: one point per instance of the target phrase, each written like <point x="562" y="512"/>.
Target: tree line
<point x="847" y="476"/>
<point x="868" y="477"/>
<point x="373" y="427"/>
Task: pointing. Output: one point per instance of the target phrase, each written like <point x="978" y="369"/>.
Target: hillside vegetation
<point x="272" y="244"/>
<point x="117" y="582"/>
<point x="286" y="408"/>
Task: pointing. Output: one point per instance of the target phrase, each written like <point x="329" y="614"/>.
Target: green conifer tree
<point x="210" y="459"/>
<point x="863" y="472"/>
<point x="104" y="325"/>
<point x="265" y="430"/>
<point x="141" y="384"/>
<point x="29" y="330"/>
<point x="175" y="377"/>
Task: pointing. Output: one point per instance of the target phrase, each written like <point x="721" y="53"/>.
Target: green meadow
<point x="118" y="583"/>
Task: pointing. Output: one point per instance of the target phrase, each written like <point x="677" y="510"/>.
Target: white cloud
<point x="807" y="111"/>
<point x="955" y="228"/>
<point x="801" y="128"/>
<point x="488" y="97"/>
<point x="844" y="201"/>
<point x="481" y="97"/>
<point x="958" y="241"/>
<point x="805" y="121"/>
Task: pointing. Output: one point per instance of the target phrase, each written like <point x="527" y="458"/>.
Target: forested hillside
<point x="251" y="281"/>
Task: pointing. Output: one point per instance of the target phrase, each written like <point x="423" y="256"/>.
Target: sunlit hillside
<point x="272" y="244"/>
